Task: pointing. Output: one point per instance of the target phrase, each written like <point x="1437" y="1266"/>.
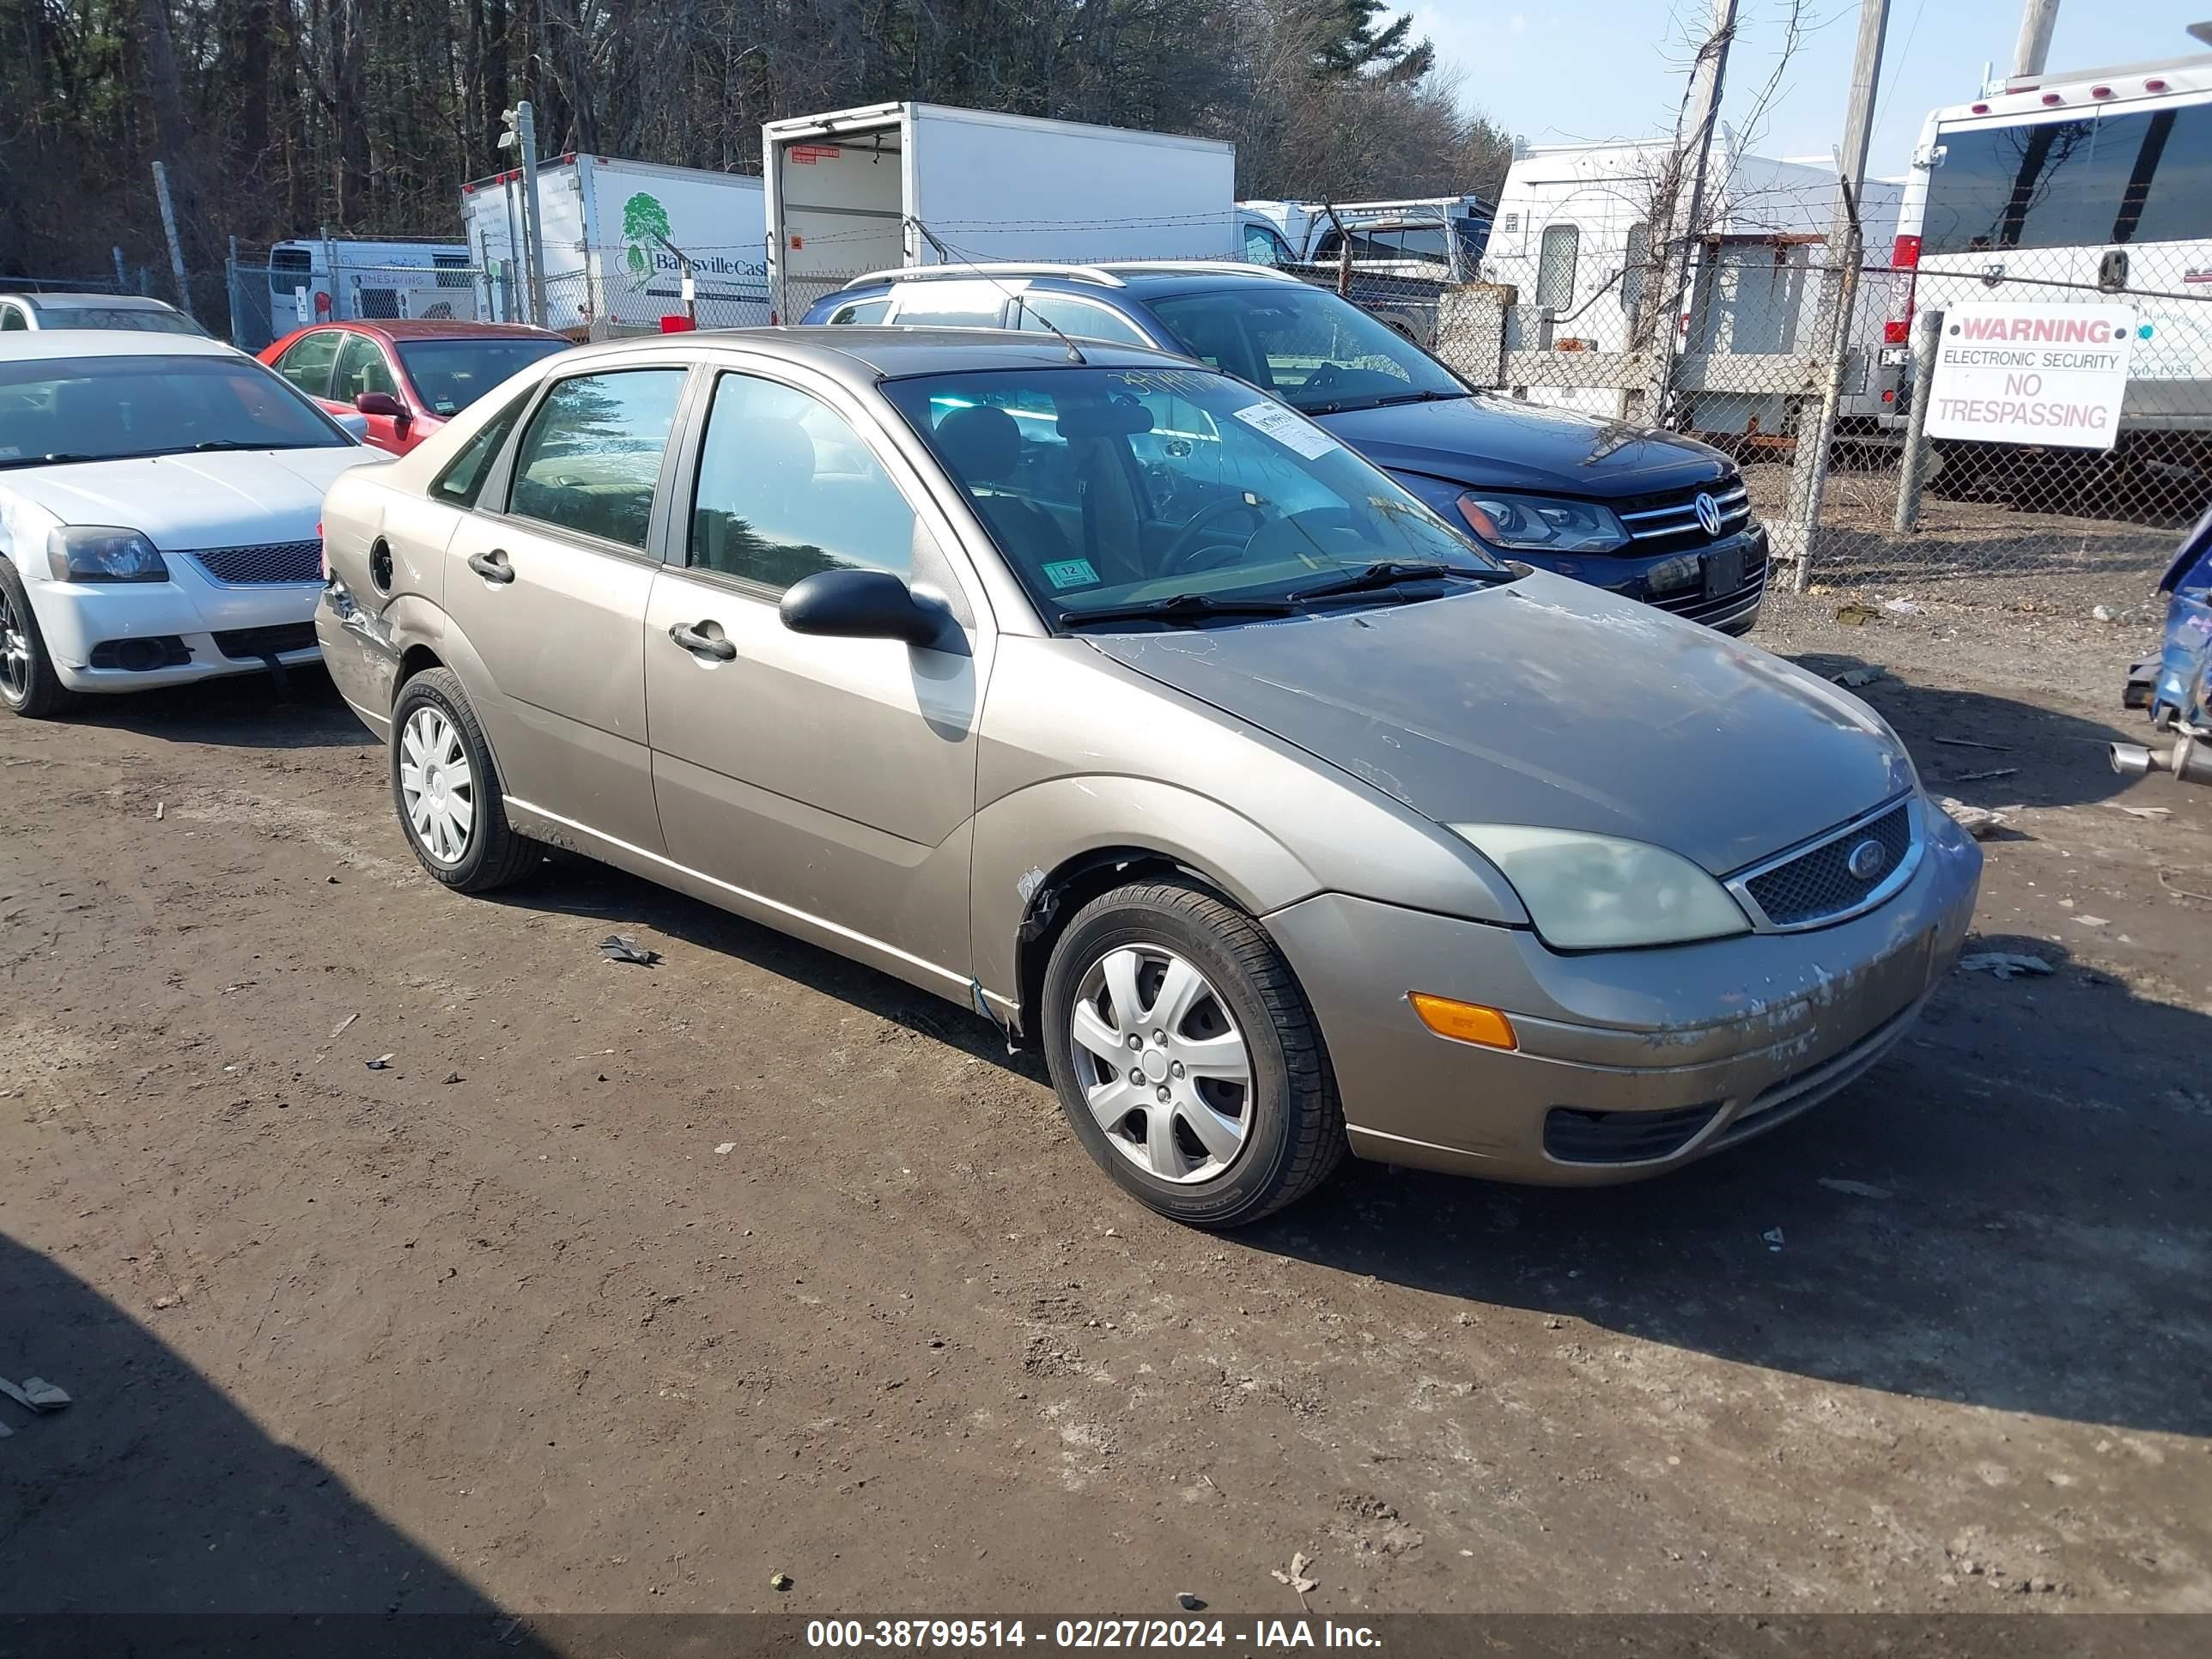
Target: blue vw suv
<point x="1646" y="513"/>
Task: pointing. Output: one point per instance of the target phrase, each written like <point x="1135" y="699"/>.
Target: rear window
<point x="144" y="321"/>
<point x="2109" y="179"/>
<point x="450" y="374"/>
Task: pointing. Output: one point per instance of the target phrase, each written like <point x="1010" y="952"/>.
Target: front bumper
<point x="1721" y="585"/>
<point x="202" y="616"/>
<point x="1630" y="1063"/>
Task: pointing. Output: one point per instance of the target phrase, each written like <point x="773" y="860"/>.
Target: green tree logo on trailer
<point x="643" y="220"/>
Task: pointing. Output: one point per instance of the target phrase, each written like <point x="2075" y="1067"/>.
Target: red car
<point x="409" y="378"/>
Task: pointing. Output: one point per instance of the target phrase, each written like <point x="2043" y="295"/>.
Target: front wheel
<point x="28" y="685"/>
<point x="1185" y="1058"/>
<point x="446" y="789"/>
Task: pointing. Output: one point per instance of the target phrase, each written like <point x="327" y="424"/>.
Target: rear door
<point x="832" y="781"/>
<point x="549" y="585"/>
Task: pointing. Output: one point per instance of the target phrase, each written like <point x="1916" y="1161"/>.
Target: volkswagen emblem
<point x="1868" y="859"/>
<point x="1709" y="513"/>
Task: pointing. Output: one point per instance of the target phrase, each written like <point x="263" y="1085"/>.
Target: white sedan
<point x="161" y="498"/>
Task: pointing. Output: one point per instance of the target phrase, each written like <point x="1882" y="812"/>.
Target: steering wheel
<point x="1178" y="558"/>
<point x="1322" y="378"/>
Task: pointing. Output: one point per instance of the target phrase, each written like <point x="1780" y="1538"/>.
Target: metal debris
<point x="1983" y="777"/>
<point x="2152" y="813"/>
<point x="35" y="1394"/>
<point x="1773" y="1238"/>
<point x="1851" y="678"/>
<point x="2005" y="965"/>
<point x="1969" y="743"/>
<point x="621" y="947"/>
<point x="381" y="1063"/>
<point x="1976" y="821"/>
<point x="1854" y="1188"/>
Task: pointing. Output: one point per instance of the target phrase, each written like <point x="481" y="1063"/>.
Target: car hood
<point x="1496" y="443"/>
<point x="1550" y="702"/>
<point x="179" y="501"/>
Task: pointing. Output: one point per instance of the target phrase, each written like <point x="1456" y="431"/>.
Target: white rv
<point x="617" y="235"/>
<point x="2090" y="188"/>
<point x="893" y="184"/>
<point x="1572" y="235"/>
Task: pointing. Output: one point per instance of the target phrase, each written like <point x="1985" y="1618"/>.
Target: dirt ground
<point x="624" y="1288"/>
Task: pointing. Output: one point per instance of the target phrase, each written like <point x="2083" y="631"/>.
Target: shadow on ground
<point x="152" y="1493"/>
<point x="303" y="710"/>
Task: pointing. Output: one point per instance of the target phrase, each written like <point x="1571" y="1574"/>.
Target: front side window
<point x="1106" y="487"/>
<point x="1314" y="349"/>
<point x="307" y="364"/>
<point x="862" y="312"/>
<point x="1263" y="247"/>
<point x="1555" y="266"/>
<point x="591" y="459"/>
<point x="1078" y="319"/>
<point x="787" y="488"/>
<point x="362" y="367"/>
<point x="103" y="409"/>
<point x="450" y="374"/>
<point x="1635" y="266"/>
<point x="12" y="320"/>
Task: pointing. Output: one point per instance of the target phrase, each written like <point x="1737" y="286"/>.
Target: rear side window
<point x="861" y="311"/>
<point x="12" y="320"/>
<point x="458" y="485"/>
<point x="1555" y="266"/>
<point x="307" y="364"/>
<point x="591" y="456"/>
<point x="1078" y="318"/>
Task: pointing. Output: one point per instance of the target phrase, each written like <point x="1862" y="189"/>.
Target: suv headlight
<point x="1599" y="892"/>
<point x="103" y="553"/>
<point x="1541" y="523"/>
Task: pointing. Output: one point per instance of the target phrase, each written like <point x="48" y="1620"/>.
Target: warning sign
<point x="2034" y="373"/>
<point x="807" y="155"/>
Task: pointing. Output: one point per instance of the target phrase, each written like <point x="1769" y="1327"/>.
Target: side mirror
<point x="384" y="404"/>
<point x="865" y="604"/>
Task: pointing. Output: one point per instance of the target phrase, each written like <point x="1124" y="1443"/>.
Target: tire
<point x="28" y="685"/>
<point x="1230" y="1153"/>
<point x="432" y="723"/>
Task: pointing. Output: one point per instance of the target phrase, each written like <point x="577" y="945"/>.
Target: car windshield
<point x="147" y="321"/>
<point x="1109" y="489"/>
<point x="103" y="409"/>
<point x="450" y="374"/>
<point x="1314" y="349"/>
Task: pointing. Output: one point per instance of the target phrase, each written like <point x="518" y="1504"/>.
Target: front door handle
<point x="694" y="638"/>
<point x="493" y="566"/>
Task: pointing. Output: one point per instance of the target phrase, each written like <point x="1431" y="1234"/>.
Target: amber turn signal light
<point x="1463" y="1022"/>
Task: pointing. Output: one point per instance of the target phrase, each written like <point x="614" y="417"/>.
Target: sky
<point x="1556" y="71"/>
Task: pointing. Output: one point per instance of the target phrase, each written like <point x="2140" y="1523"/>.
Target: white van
<point x="314" y="281"/>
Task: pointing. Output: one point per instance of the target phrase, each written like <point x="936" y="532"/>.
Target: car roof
<point x="1133" y="278"/>
<point x="428" y="328"/>
<point x="84" y="301"/>
<point x="30" y="345"/>
<point x="868" y="354"/>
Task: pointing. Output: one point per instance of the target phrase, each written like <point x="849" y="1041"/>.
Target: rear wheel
<point x="1185" y="1058"/>
<point x="28" y="685"/>
<point x="447" y="790"/>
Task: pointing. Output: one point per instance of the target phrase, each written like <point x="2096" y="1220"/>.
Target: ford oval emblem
<point x="1867" y="859"/>
<point x="1709" y="513"/>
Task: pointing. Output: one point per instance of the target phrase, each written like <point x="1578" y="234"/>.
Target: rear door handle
<point x="694" y="638"/>
<point x="493" y="566"/>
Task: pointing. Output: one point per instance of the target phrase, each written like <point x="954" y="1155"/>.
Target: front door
<point x="549" y="592"/>
<point x="831" y="781"/>
<point x="362" y="367"/>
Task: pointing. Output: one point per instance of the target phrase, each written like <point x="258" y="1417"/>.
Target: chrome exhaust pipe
<point x="2130" y="760"/>
<point x="2188" y="760"/>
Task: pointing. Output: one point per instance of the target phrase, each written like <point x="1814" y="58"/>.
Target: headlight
<point x="101" y="553"/>
<point x="1541" y="523"/>
<point x="1599" y="892"/>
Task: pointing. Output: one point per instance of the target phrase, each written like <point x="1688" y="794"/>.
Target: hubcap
<point x="1161" y="1063"/>
<point x="436" y="786"/>
<point x="14" y="655"/>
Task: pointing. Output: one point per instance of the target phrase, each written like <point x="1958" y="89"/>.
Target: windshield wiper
<point x="57" y="457"/>
<point x="1430" y="396"/>
<point x="1390" y="573"/>
<point x="212" y="445"/>
<point x="1176" y="606"/>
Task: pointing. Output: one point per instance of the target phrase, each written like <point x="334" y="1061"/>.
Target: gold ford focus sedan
<point x="1104" y="694"/>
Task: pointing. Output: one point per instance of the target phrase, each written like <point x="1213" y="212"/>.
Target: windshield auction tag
<point x="1071" y="572"/>
<point x="1288" y="429"/>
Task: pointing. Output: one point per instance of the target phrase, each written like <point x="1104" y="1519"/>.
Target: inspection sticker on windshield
<point x="1071" y="572"/>
<point x="1288" y="429"/>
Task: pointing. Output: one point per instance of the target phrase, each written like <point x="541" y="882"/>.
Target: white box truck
<point x="894" y="184"/>
<point x="613" y="231"/>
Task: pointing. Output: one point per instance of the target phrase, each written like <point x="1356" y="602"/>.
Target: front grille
<point x="244" y="644"/>
<point x="1673" y="517"/>
<point x="1696" y="605"/>
<point x="1817" y="884"/>
<point x="260" y="566"/>
<point x="1574" y="1136"/>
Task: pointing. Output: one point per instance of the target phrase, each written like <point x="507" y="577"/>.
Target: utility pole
<point x="176" y="247"/>
<point x="1701" y="112"/>
<point x="521" y="134"/>
<point x="1808" y="477"/>
<point x="2036" y="19"/>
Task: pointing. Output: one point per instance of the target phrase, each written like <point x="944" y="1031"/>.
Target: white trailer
<point x="322" y="279"/>
<point x="2088" y="187"/>
<point x="1572" y="235"/>
<point x="898" y="185"/>
<point x="613" y="231"/>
